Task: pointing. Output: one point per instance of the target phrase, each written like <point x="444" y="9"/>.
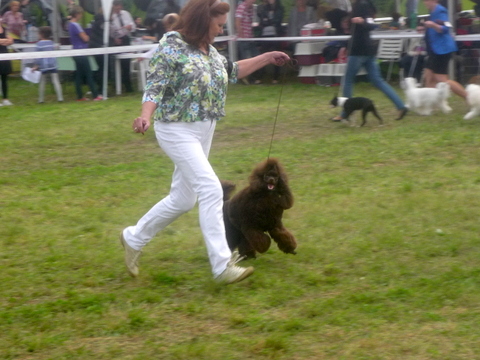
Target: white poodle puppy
<point x="473" y="100"/>
<point x="424" y="100"/>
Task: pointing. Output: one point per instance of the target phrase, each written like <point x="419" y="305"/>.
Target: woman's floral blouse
<point x="186" y="84"/>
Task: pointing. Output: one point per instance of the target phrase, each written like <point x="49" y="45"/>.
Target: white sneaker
<point x="234" y="273"/>
<point x="131" y="257"/>
<point x="6" y="102"/>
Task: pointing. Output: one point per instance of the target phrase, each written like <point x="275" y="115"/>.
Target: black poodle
<point x="258" y="209"/>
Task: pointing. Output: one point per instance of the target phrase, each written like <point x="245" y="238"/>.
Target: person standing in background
<point x="270" y="14"/>
<point x="47" y="65"/>
<point x="79" y="40"/>
<point x="5" y="65"/>
<point x="28" y="19"/>
<point x="243" y="27"/>
<point x="13" y="21"/>
<point x="96" y="41"/>
<point x="121" y="26"/>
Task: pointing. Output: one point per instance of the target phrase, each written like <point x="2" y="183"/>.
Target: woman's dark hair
<point x="45" y="32"/>
<point x="195" y="19"/>
<point x="363" y="8"/>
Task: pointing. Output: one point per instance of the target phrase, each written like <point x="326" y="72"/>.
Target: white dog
<point x="473" y="99"/>
<point x="424" y="100"/>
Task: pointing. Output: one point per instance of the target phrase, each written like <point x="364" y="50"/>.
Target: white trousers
<point x="188" y="145"/>
<point x="56" y="84"/>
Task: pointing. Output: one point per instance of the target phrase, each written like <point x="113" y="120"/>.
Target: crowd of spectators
<point x="5" y="65"/>
<point x="15" y="19"/>
<point x="269" y="18"/>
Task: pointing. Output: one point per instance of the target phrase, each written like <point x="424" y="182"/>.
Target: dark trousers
<point x="4" y="86"/>
<point x="98" y="76"/>
<point x="84" y="72"/>
<point x="125" y="66"/>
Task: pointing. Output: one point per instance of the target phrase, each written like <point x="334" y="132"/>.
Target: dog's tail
<point x="228" y="188"/>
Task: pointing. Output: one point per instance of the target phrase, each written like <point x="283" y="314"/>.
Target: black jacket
<point x="361" y="43"/>
<point x="266" y="19"/>
<point x="96" y="34"/>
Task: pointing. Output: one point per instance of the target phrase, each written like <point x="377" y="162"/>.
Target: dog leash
<point x="292" y="63"/>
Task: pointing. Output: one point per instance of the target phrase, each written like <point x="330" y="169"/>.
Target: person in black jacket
<point x="362" y="54"/>
<point x="270" y="15"/>
<point x="96" y="41"/>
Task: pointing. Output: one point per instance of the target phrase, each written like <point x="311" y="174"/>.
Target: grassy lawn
<point x="387" y="221"/>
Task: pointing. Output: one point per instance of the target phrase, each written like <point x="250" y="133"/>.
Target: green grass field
<point x="387" y="221"/>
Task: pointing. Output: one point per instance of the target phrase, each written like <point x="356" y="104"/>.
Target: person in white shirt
<point x="121" y="26"/>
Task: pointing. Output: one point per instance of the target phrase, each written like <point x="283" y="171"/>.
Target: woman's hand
<point x="141" y="124"/>
<point x="248" y="66"/>
<point x="277" y="58"/>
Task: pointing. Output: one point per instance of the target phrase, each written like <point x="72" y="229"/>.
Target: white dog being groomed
<point x="424" y="100"/>
<point x="473" y="100"/>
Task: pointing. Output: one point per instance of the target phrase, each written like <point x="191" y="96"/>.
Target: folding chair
<point x="339" y="70"/>
<point x="307" y="74"/>
<point x="325" y="72"/>
<point x="136" y="71"/>
<point x="390" y="50"/>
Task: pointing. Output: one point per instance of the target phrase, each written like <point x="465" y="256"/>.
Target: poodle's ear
<point x="282" y="175"/>
<point x="256" y="176"/>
